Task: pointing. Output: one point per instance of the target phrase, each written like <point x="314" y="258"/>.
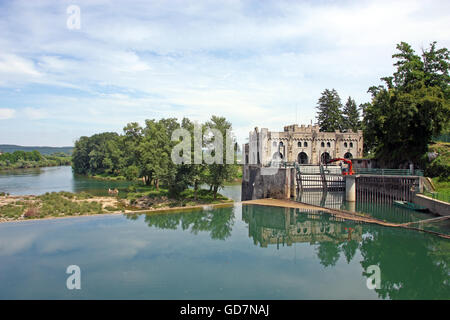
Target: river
<point x="240" y="252"/>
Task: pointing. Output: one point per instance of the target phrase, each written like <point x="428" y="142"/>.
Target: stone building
<point x="303" y="144"/>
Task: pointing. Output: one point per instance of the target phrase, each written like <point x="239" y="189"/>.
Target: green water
<point x="240" y="252"/>
<point x="37" y="181"/>
<point x="41" y="180"/>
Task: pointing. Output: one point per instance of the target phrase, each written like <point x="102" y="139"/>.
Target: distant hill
<point x="43" y="150"/>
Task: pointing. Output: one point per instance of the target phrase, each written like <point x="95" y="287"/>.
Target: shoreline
<point x="145" y="211"/>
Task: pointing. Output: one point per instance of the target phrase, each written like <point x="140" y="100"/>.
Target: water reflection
<point x="379" y="210"/>
<point x="413" y="265"/>
<point x="218" y="222"/>
<point x="207" y="254"/>
<point x="286" y="226"/>
<point x="332" y="200"/>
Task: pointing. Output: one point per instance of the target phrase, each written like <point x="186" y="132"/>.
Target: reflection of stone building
<point x="286" y="226"/>
<point x="304" y="144"/>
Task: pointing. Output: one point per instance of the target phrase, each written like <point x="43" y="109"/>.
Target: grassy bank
<point x="107" y="177"/>
<point x="442" y="189"/>
<point x="60" y="204"/>
<point x="152" y="198"/>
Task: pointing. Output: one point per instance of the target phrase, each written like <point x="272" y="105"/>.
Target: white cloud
<point x="6" y="113"/>
<point x="35" y="114"/>
<point x="253" y="62"/>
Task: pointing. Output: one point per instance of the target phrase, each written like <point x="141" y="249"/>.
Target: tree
<point x="219" y="173"/>
<point x="155" y="150"/>
<point x="146" y="152"/>
<point x="411" y="108"/>
<point x="197" y="173"/>
<point x="329" y="115"/>
<point x="351" y="115"/>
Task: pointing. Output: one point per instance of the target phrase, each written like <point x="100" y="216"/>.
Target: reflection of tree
<point x="328" y="253"/>
<point x="219" y="222"/>
<point x="410" y="269"/>
<point x="349" y="249"/>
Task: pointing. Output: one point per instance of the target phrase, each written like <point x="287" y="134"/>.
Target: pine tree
<point x="329" y="115"/>
<point x="351" y="115"/>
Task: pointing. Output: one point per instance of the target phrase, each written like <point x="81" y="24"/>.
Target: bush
<point x="438" y="168"/>
<point x="11" y="211"/>
<point x="31" y="212"/>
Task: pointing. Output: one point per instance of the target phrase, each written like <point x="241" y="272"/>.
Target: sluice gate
<point x="287" y="182"/>
<point x="385" y="189"/>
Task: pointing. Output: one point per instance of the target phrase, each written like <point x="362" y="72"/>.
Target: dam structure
<point x="292" y="163"/>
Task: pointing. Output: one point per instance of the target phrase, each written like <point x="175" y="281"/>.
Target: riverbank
<point x="65" y="204"/>
<point x="28" y="160"/>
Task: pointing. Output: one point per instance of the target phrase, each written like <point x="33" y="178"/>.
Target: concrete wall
<point x="256" y="185"/>
<point x="436" y="206"/>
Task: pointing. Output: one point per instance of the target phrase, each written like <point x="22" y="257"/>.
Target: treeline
<point x="46" y="151"/>
<point x="404" y="114"/>
<point x="32" y="159"/>
<point x="145" y="153"/>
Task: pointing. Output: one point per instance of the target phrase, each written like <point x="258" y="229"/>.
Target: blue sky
<point x="258" y="63"/>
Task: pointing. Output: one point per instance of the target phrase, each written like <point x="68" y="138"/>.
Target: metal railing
<point x="438" y="196"/>
<point x="388" y="172"/>
<point x="314" y="169"/>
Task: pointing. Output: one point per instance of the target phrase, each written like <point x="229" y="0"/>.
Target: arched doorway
<point x="302" y="158"/>
<point x="348" y="155"/>
<point x="325" y="157"/>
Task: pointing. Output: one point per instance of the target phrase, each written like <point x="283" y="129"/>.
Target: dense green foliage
<point x="145" y="153"/>
<point x="440" y="165"/>
<point x="411" y="108"/>
<point x="329" y="115"/>
<point x="351" y="115"/>
<point x="32" y="159"/>
<point x="332" y="115"/>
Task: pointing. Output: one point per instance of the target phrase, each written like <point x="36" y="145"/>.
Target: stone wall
<point x="256" y="185"/>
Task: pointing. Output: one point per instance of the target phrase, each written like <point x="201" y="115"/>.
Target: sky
<point x="257" y="63"/>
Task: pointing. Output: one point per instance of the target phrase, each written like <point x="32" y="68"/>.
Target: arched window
<point x="302" y="158"/>
<point x="328" y="144"/>
<point x="299" y="144"/>
<point x="305" y="144"/>
<point x="348" y="155"/>
<point x="345" y="145"/>
<point x="277" y="156"/>
<point x="281" y="144"/>
<point x="351" y="144"/>
<point x="325" y="157"/>
<point x="322" y="144"/>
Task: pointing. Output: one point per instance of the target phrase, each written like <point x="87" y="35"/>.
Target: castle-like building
<point x="303" y="144"/>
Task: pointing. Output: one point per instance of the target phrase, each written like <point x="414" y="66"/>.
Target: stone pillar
<point x="352" y="206"/>
<point x="350" y="188"/>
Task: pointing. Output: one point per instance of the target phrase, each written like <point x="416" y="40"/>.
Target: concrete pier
<point x="350" y="188"/>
